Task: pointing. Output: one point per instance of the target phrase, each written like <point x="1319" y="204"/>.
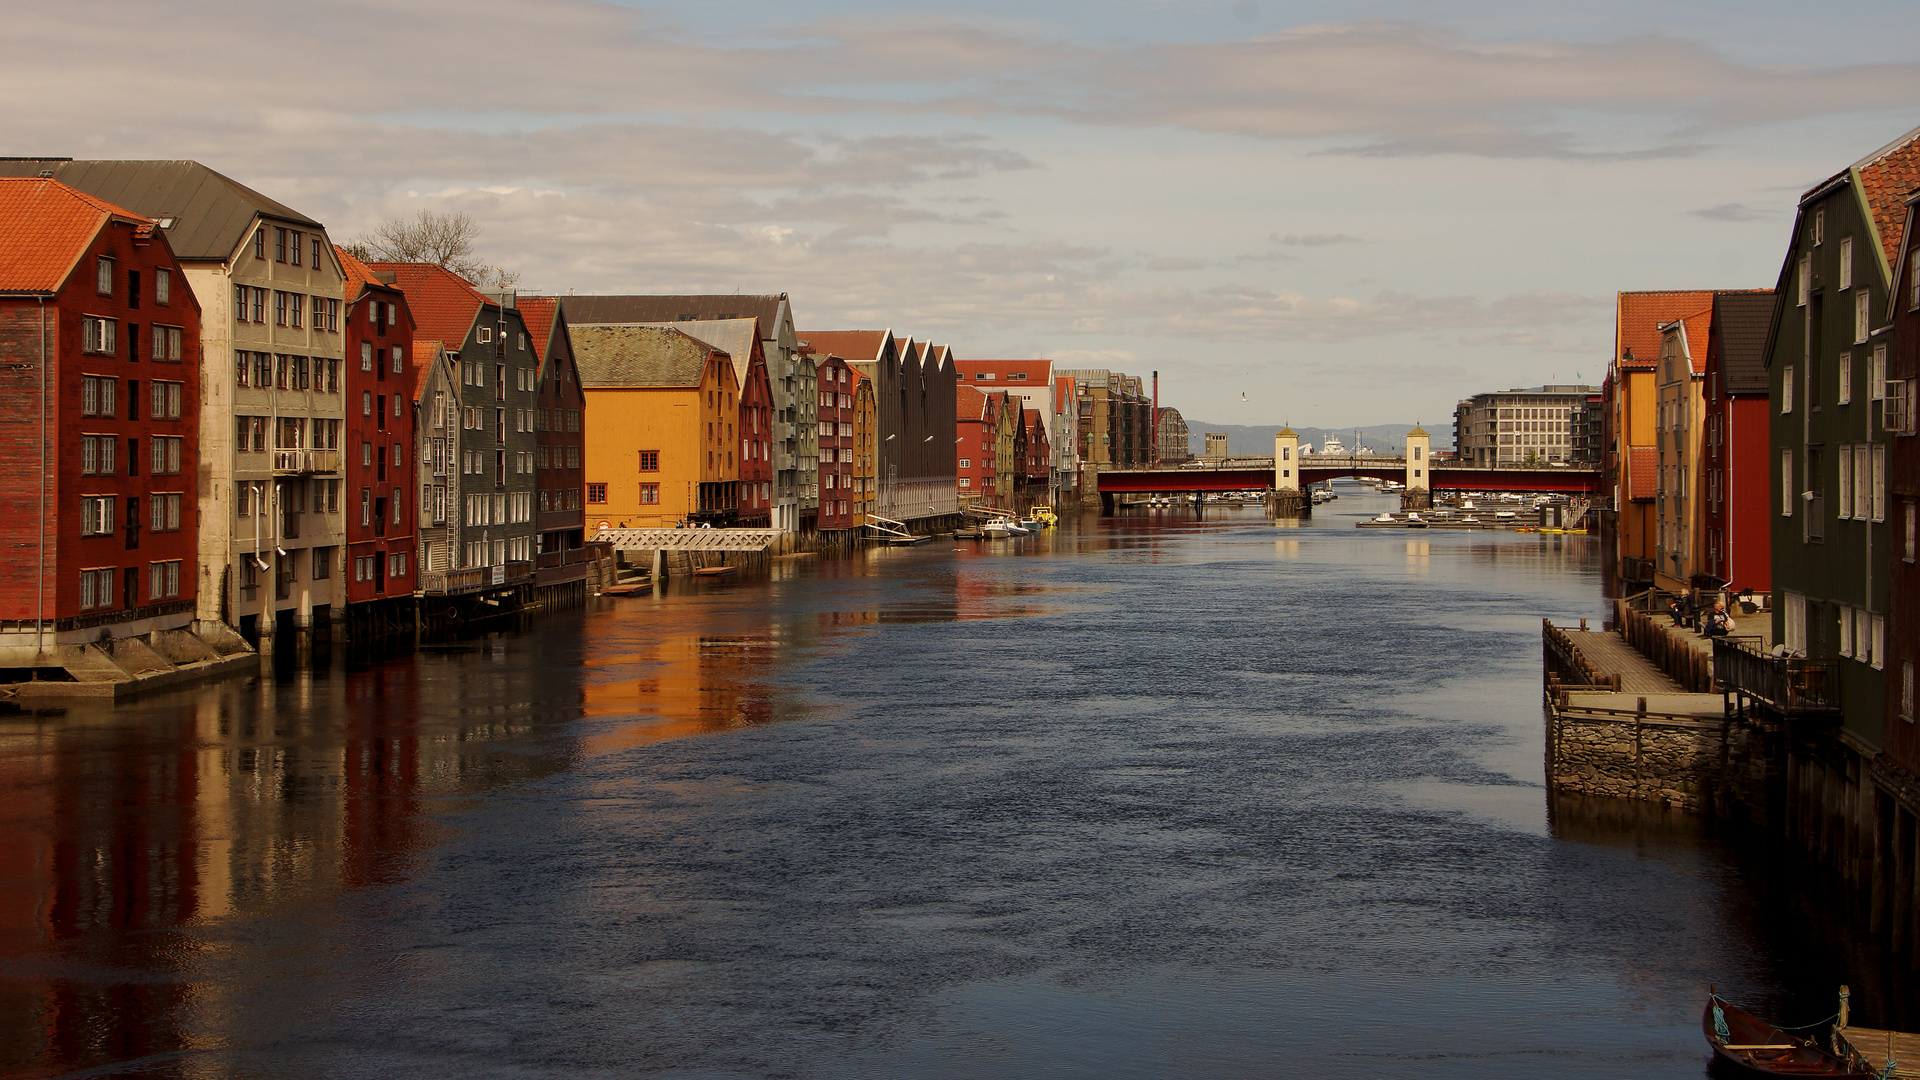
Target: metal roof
<point x="633" y="310"/>
<point x="1740" y="321"/>
<point x="210" y="212"/>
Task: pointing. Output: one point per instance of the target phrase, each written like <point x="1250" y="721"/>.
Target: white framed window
<point x="1846" y="379"/>
<point x="1794" y="623"/>
<point x="1820" y="225"/>
<point x="96" y="515"/>
<point x="1786" y="482"/>
<point x="96" y="588"/>
<point x="1877" y="373"/>
<point x="166" y="513"/>
<point x="103" y="275"/>
<point x="1878" y="484"/>
<point x="1846" y="634"/>
<point x="98" y="336"/>
<point x="483" y="334"/>
<point x="1806" y="278"/>
<point x="164" y="451"/>
<point x="1862" y="315"/>
<point x="163" y="580"/>
<point x="1846" y="262"/>
<point x="1846" y="484"/>
<point x="366" y="356"/>
<point x="1786" y="389"/>
<point x="1879" y="659"/>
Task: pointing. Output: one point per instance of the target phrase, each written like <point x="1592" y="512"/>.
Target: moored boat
<point x="716" y="571"/>
<point x="1744" y="1040"/>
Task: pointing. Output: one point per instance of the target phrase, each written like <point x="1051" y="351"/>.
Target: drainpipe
<point x="40" y="582"/>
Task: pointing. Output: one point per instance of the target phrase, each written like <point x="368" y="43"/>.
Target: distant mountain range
<point x="1258" y="441"/>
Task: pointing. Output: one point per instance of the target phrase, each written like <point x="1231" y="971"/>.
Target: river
<point x="1141" y="797"/>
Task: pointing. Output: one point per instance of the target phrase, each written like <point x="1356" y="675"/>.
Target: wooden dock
<point x="1873" y="1047"/>
<point x="1608" y="652"/>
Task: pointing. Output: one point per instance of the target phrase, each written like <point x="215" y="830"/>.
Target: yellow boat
<point x="1045" y="516"/>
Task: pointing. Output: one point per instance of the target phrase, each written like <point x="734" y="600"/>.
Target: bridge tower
<point x="1288" y="500"/>
<point x="1419" y="493"/>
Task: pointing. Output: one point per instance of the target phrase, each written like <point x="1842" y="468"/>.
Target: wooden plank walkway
<point x="689" y="539"/>
<point x="1872" y="1043"/>
<point x="1608" y="653"/>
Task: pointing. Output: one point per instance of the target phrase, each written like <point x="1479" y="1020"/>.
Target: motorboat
<point x="1384" y="518"/>
<point x="1001" y="528"/>
<point x="1046" y="517"/>
<point x="1415" y="521"/>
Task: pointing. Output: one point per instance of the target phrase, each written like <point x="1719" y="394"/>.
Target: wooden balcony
<point x="474" y="579"/>
<point x="305" y="462"/>
<point x="1787" y="685"/>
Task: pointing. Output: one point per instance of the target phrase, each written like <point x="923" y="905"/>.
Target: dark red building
<point x="378" y="444"/>
<point x="1039" y="458"/>
<point x="99" y="422"/>
<point x="559" y="423"/>
<point x="756" y="439"/>
<point x="1736" y="488"/>
<point x="839" y="508"/>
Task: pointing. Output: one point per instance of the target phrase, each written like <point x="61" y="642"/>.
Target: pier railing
<point x="1567" y="666"/>
<point x="1788" y="685"/>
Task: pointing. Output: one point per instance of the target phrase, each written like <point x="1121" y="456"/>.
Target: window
<point x="163" y="580"/>
<point x="1846" y="262"/>
<point x="1846" y="484"/>
<point x="279" y="245"/>
<point x="103" y="275"/>
<point x="1786" y="389"/>
<point x="649" y="461"/>
<point x="166" y="512"/>
<point x="366" y="403"/>
<point x="165" y="450"/>
<point x="259" y="305"/>
<point x="1820" y="225"/>
<point x="1878" y="656"/>
<point x="399" y="361"/>
<point x="1806" y="278"/>
<point x="1786" y="482"/>
<point x="96" y="588"/>
<point x="597" y="494"/>
<point x="397" y="564"/>
<point x="1878" y="490"/>
<point x="484" y="333"/>
<point x="166" y="400"/>
<point x="166" y="344"/>
<point x="366" y="356"/>
<point x="96" y="455"/>
<point x="96" y="396"/>
<point x="97" y="335"/>
<point x="1846" y="379"/>
<point x="96" y="515"/>
<point x="366" y="506"/>
<point x="1862" y="315"/>
<point x="966" y="463"/>
<point x="966" y="481"/>
<point x="162" y="286"/>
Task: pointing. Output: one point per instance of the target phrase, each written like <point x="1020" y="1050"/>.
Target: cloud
<point x="1732" y="212"/>
<point x="1315" y="239"/>
<point x="1170" y="264"/>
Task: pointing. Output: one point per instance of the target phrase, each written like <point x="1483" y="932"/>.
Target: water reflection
<point x="1128" y="797"/>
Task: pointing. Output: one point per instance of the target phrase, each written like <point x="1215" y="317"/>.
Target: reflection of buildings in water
<point x="1286" y="549"/>
<point x="695" y="684"/>
<point x="1419" y="555"/>
<point x="123" y="828"/>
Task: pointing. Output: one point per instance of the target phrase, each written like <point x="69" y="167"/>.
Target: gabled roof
<point x="1063" y="393"/>
<point x="1887" y="177"/>
<point x="855" y="346"/>
<point x="1638" y="317"/>
<point x="210" y="212"/>
<point x="635" y="356"/>
<point x="443" y="303"/>
<point x="633" y="310"/>
<point x="738" y="338"/>
<point x="45" y="229"/>
<point x="539" y="313"/>
<point x="1740" y="329"/>
<point x="426" y="356"/>
<point x="359" y="275"/>
<point x="1694" y="333"/>
<point x="971" y="405"/>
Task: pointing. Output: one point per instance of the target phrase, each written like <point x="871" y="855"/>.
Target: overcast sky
<point x="1348" y="213"/>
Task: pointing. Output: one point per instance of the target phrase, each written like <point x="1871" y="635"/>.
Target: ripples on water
<point x="1143" y="797"/>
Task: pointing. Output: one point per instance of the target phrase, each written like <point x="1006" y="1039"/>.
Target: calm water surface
<point x="1144" y="797"/>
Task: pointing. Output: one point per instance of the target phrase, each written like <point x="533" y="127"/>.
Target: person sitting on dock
<point x="1717" y="623"/>
<point x="1677" y="612"/>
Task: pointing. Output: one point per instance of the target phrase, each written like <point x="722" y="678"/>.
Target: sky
<point x="1333" y="214"/>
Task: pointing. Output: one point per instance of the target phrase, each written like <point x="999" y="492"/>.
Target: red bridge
<point x="1256" y="474"/>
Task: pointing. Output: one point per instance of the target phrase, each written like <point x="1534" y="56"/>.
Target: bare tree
<point x="443" y="239"/>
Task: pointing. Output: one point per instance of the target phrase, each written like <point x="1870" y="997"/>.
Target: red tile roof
<point x="426" y="354"/>
<point x="1643" y="472"/>
<point x="45" y="228"/>
<point x="359" y="274"/>
<point x="969" y="404"/>
<point x="856" y="346"/>
<point x="1887" y="177"/>
<point x="538" y="312"/>
<point x="443" y="303"/>
<point x="1063" y="392"/>
<point x="1639" y="316"/>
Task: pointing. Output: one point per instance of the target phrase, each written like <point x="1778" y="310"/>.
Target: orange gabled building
<point x="662" y="441"/>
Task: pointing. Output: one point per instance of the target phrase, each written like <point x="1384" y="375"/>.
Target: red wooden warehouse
<point x="100" y="380"/>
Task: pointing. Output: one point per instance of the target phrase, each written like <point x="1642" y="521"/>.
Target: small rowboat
<point x="643" y="588"/>
<point x="1751" y="1043"/>
<point x="716" y="571"/>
